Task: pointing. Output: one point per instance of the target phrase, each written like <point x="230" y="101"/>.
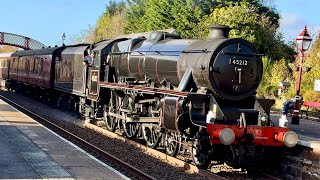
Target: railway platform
<point x="308" y="131"/>
<point x="28" y="150"/>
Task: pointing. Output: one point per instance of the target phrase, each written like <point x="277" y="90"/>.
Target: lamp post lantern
<point x="303" y="43"/>
<point x="63" y="38"/>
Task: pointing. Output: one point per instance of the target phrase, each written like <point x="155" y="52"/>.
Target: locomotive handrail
<point x="244" y="54"/>
<point x="160" y="52"/>
<point x="197" y="50"/>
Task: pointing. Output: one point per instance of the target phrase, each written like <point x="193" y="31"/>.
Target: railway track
<point x="170" y="160"/>
<point x="126" y="167"/>
<point x="136" y="173"/>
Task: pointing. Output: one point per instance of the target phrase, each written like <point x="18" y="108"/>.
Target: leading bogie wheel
<point x="200" y="154"/>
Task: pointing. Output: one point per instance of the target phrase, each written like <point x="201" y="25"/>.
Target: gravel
<point x="128" y="153"/>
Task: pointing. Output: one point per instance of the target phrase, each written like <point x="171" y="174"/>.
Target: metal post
<point x="295" y="117"/>
<point x="26" y="43"/>
<point x="63" y="38"/>
<point x="2" y="37"/>
<point x="298" y="83"/>
<point x="303" y="43"/>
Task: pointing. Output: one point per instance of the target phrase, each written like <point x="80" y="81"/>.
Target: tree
<point x="247" y="22"/>
<point x="111" y="24"/>
<point x="186" y="16"/>
<point x="274" y="73"/>
<point x="135" y="16"/>
<point x="8" y="49"/>
<point x="85" y="36"/>
<point x="114" y="7"/>
<point x="182" y="15"/>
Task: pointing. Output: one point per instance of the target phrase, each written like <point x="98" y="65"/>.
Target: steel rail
<point x="267" y="176"/>
<point x="134" y="171"/>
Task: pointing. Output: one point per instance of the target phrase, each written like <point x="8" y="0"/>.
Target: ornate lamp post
<point x="303" y="44"/>
<point x="63" y="38"/>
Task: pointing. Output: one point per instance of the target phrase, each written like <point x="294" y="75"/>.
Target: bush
<point x="313" y="96"/>
<point x="274" y="73"/>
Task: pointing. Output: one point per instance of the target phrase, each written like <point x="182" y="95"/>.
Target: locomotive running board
<point x="143" y="89"/>
<point x="136" y="119"/>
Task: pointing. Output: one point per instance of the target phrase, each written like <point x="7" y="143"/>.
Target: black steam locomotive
<point x="171" y="92"/>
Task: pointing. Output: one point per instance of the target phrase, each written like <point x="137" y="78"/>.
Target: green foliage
<point x="274" y="73"/>
<point x="114" y="7"/>
<point x="247" y="22"/>
<point x="85" y="36"/>
<point x="112" y="22"/>
<point x="184" y="16"/>
<point x="312" y="96"/>
<point x="135" y="16"/>
<point x="279" y="72"/>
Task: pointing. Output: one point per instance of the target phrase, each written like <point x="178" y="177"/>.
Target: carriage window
<point x="43" y="62"/>
<point x="41" y="65"/>
<point x="12" y="64"/>
<point x="33" y="64"/>
<point x="26" y="64"/>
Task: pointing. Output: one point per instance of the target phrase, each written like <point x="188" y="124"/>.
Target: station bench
<point x="309" y="104"/>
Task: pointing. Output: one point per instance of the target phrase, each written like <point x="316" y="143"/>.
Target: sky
<point x="47" y="20"/>
<point x="295" y="14"/>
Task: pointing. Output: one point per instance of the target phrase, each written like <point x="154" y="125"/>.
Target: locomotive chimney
<point x="219" y="31"/>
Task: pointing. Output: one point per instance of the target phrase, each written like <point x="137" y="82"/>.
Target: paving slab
<point x="31" y="151"/>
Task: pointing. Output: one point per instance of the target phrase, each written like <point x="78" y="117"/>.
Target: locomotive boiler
<point x="181" y="94"/>
<point x="229" y="68"/>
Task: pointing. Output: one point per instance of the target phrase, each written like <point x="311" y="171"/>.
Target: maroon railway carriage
<point x="34" y="67"/>
<point x="56" y="74"/>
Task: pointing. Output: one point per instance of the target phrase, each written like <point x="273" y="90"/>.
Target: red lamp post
<point x="303" y="44"/>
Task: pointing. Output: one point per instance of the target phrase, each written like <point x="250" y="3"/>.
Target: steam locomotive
<point x="170" y="92"/>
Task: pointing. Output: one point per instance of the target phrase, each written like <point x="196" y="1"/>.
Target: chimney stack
<point x="219" y="31"/>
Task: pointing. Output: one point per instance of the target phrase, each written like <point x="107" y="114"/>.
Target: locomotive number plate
<point x="239" y="62"/>
<point x="94" y="78"/>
